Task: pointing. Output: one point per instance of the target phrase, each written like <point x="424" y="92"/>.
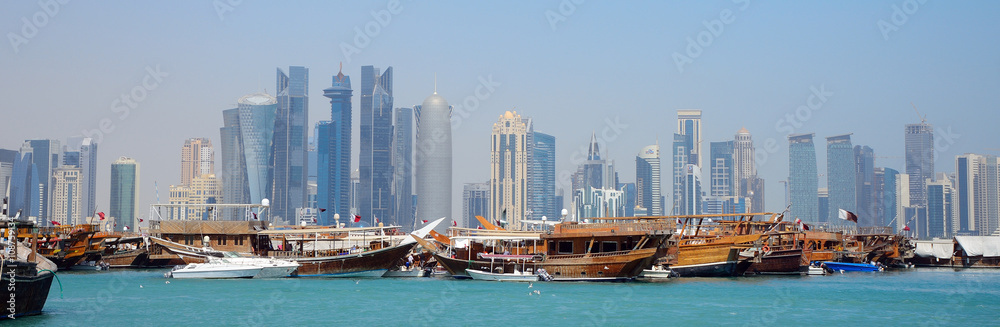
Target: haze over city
<point x="150" y="75"/>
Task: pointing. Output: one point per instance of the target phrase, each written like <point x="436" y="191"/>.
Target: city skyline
<point x="854" y="70"/>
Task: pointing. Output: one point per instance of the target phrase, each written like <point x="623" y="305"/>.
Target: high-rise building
<point x="24" y="183"/>
<point x="334" y="149"/>
<point x="599" y="202"/>
<point x="802" y="178"/>
<point x="88" y="176"/>
<point x="257" y="116"/>
<point x="290" y="145"/>
<point x="680" y="156"/>
<point x="204" y="189"/>
<point x="689" y="123"/>
<point x="647" y="180"/>
<point x="902" y="201"/>
<point x="475" y="202"/>
<point x="235" y="187"/>
<point x="7" y="158"/>
<point x="46" y="156"/>
<point x="885" y="195"/>
<point x="976" y="184"/>
<point x="67" y="198"/>
<point x="841" y="178"/>
<point x="744" y="167"/>
<point x="754" y="187"/>
<point x="124" y="192"/>
<point x="594" y="172"/>
<point x="939" y="208"/>
<point x="542" y="170"/>
<point x="508" y="169"/>
<point x="864" y="172"/>
<point x="375" y="157"/>
<point x="197" y="158"/>
<point x="433" y="159"/>
<point x="919" y="159"/>
<point x="721" y="169"/>
<point x="692" y="191"/>
<point x="402" y="164"/>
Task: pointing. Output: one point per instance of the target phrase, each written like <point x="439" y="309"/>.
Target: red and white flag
<point x="376" y="220"/>
<point x="847" y="215"/>
<point x="425" y="221"/>
<point x="126" y="228"/>
<point x="357" y="218"/>
<point x="101" y="214"/>
<point x="55" y="223"/>
<point x="254" y="215"/>
<point x="802" y="225"/>
<point x="454" y="223"/>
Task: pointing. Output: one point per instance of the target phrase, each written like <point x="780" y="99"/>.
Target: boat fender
<point x="767" y="249"/>
<point x="538" y="257"/>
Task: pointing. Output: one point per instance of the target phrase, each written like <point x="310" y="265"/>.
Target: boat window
<point x="565" y="246"/>
<point x="609" y="246"/>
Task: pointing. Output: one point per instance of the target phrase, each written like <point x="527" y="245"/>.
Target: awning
<point x="941" y="249"/>
<point x="987" y="246"/>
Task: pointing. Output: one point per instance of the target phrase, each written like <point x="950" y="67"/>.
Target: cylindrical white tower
<point x="433" y="160"/>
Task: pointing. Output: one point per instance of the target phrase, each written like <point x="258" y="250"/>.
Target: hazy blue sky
<point x="572" y="67"/>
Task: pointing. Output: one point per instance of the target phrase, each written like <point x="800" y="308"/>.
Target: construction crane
<point x="923" y="119"/>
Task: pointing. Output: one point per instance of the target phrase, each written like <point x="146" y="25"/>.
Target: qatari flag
<point x="847" y="215"/>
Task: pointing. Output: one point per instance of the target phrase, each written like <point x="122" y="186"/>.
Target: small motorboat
<point x="847" y="267"/>
<point x="404" y="271"/>
<point x="214" y="270"/>
<point x="658" y="272"/>
<point x="270" y="267"/>
<point x="816" y="269"/>
<point x="516" y="276"/>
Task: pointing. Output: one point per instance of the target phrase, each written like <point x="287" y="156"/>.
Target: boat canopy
<point x="938" y="248"/>
<point x="987" y="246"/>
<point x="323" y="230"/>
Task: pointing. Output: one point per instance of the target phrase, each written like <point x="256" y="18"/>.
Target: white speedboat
<point x="656" y="273"/>
<point x="270" y="267"/>
<point x="214" y="270"/>
<point x="516" y="276"/>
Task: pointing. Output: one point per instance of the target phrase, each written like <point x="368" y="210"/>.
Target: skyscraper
<point x="689" y="123"/>
<point x="46" y="156"/>
<point x="841" y="178"/>
<point x="197" y="158"/>
<point x="885" y="195"/>
<point x="902" y="201"/>
<point x="721" y="169"/>
<point x="67" y="198"/>
<point x="24" y="183"/>
<point x="124" y="192"/>
<point x="976" y="184"/>
<point x="919" y="159"/>
<point x="475" y="202"/>
<point x="744" y="167"/>
<point x="802" y="178"/>
<point x="235" y="187"/>
<point x="257" y="115"/>
<point x="824" y="204"/>
<point x="508" y="169"/>
<point x="402" y="164"/>
<point x="692" y="191"/>
<point x="542" y="201"/>
<point x="375" y="157"/>
<point x="939" y="207"/>
<point x="680" y="156"/>
<point x="291" y="143"/>
<point x="647" y="180"/>
<point x="334" y="175"/>
<point x="7" y="158"/>
<point x="864" y="170"/>
<point x="433" y="159"/>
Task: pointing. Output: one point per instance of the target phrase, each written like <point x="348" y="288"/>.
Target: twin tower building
<point x="267" y="154"/>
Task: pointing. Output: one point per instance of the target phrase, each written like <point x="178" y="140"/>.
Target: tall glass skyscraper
<point x="886" y="193"/>
<point x="257" y="115"/>
<point x="475" y="202"/>
<point x="864" y="169"/>
<point x="402" y="165"/>
<point x="85" y="150"/>
<point x="334" y="175"/>
<point x="680" y="156"/>
<point x="508" y="169"/>
<point x="802" y="178"/>
<point x="46" y="156"/>
<point x="433" y="160"/>
<point x="939" y="208"/>
<point x="919" y="159"/>
<point x="235" y="188"/>
<point x="721" y="166"/>
<point x="689" y="123"/>
<point x="647" y="180"/>
<point x="291" y="143"/>
<point x="543" y="176"/>
<point x="124" y="192"/>
<point x="841" y="178"/>
<point x="375" y="157"/>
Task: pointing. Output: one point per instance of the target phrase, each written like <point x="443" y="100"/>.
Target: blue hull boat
<point x="844" y="266"/>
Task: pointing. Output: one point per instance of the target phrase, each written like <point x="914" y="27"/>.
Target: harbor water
<point x="933" y="296"/>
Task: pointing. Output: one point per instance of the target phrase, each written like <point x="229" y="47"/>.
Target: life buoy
<point x="767" y="248"/>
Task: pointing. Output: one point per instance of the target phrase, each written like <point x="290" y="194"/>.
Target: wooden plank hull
<point x="709" y="260"/>
<point x="778" y="262"/>
<point x="367" y="264"/>
<point x="623" y="265"/>
<point x="130" y="259"/>
<point x="29" y="292"/>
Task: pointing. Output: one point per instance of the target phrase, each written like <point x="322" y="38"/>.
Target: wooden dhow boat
<point x="26" y="275"/>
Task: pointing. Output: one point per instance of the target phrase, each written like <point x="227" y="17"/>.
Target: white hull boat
<point x="657" y="273"/>
<point x="214" y="270"/>
<point x="516" y="276"/>
<point x="270" y="268"/>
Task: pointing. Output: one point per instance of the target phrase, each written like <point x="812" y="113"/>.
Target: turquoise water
<point x="142" y="297"/>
